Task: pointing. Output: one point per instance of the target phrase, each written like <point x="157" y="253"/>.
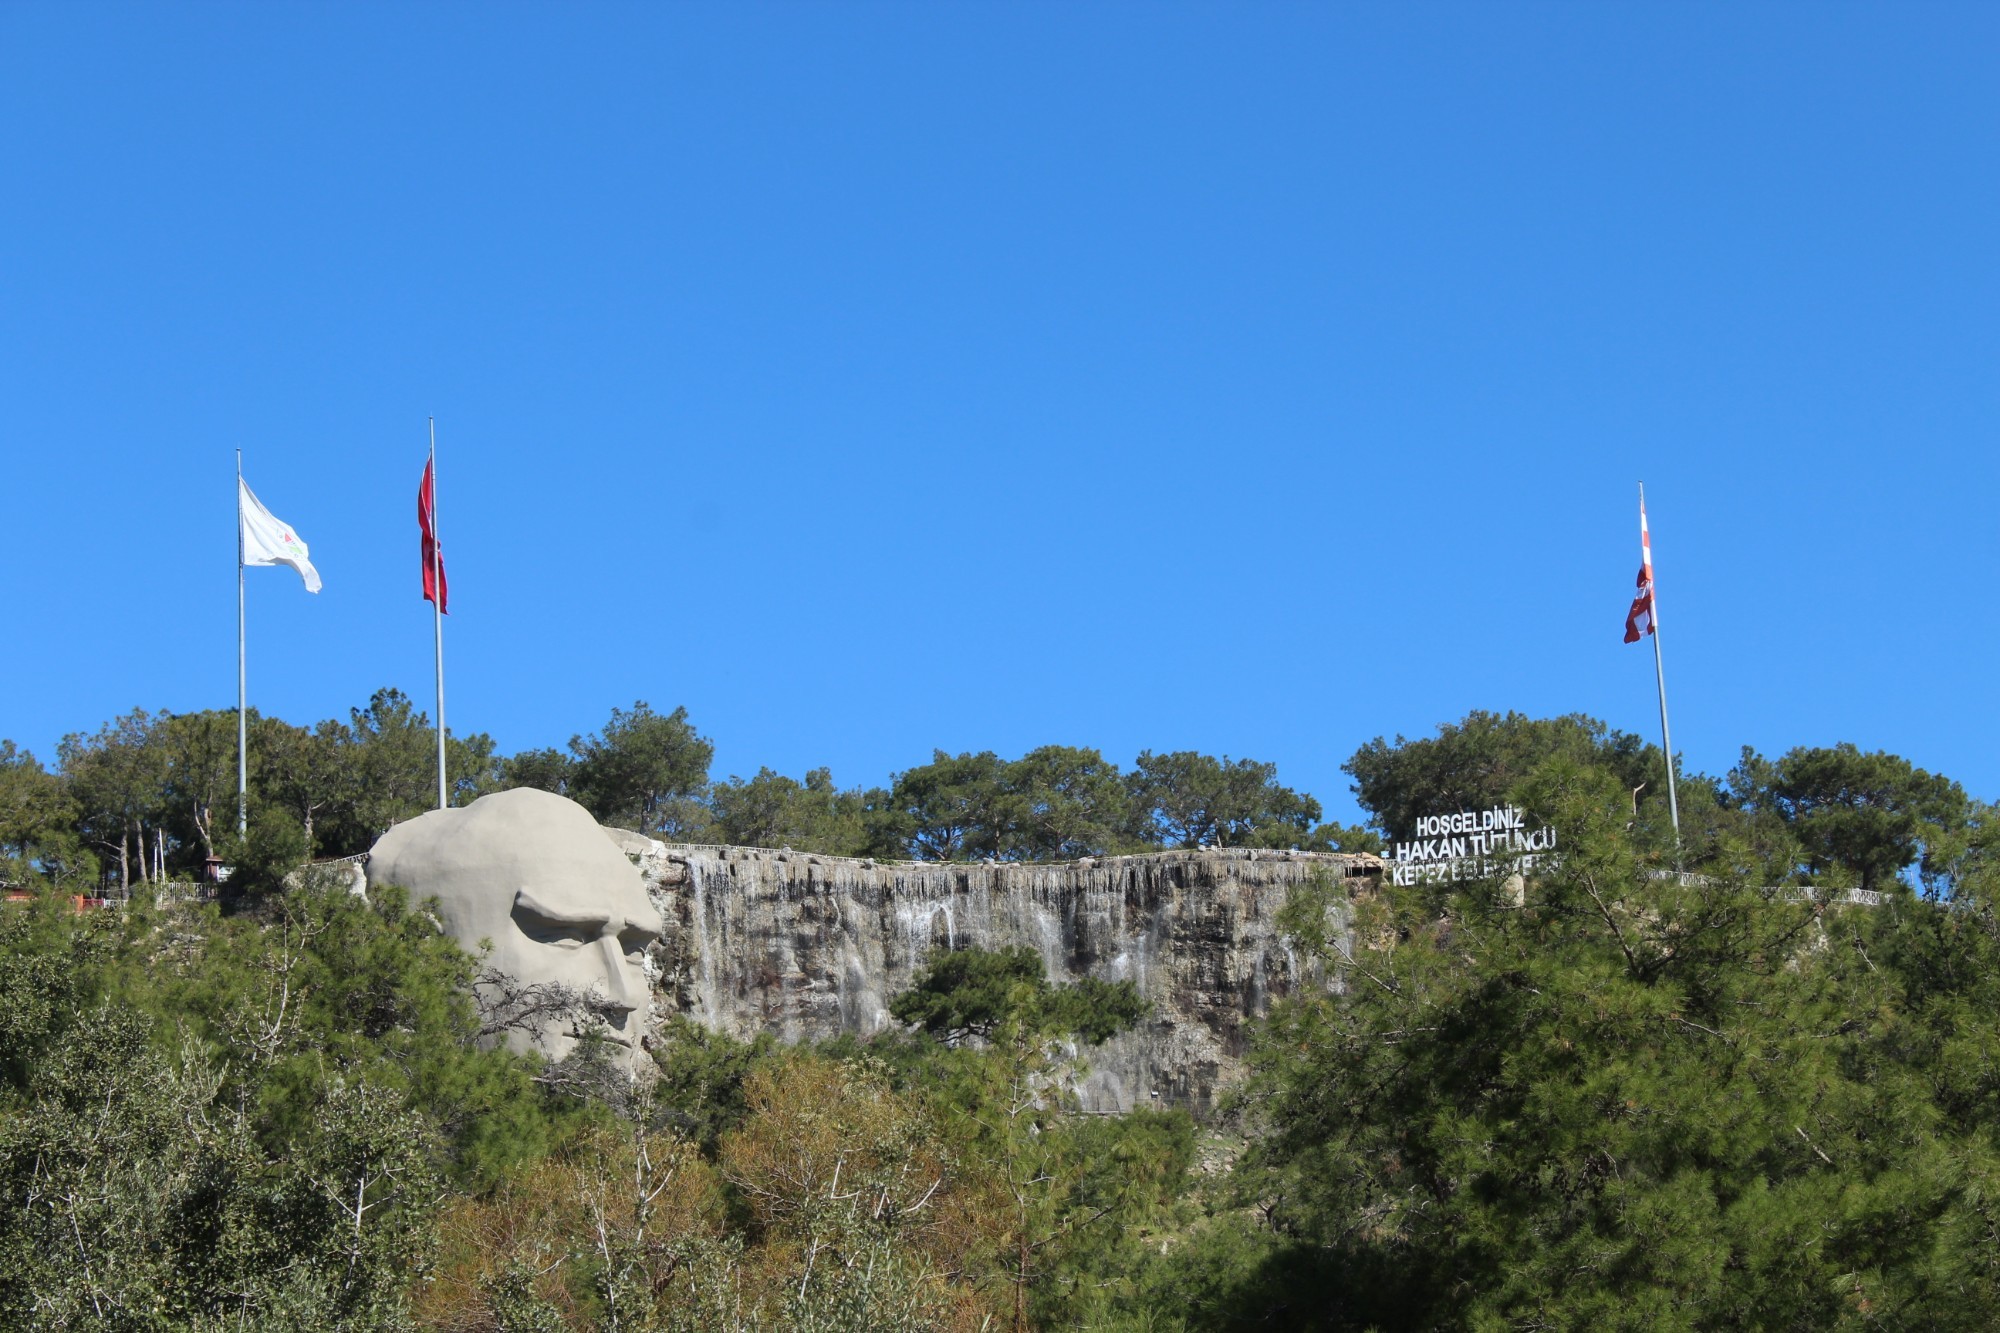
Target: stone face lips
<point x="807" y="946"/>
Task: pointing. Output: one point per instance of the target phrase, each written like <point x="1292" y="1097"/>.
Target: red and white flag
<point x="1642" y="618"/>
<point x="434" y="582"/>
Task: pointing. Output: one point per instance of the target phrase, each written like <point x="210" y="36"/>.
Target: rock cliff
<point x="808" y="946"/>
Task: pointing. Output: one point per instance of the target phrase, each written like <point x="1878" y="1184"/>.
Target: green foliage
<point x="644" y="772"/>
<point x="772" y="810"/>
<point x="702" y="1076"/>
<point x="1872" y="815"/>
<point x="1068" y="1196"/>
<point x="1475" y="763"/>
<point x="390" y="770"/>
<point x="1130" y="1181"/>
<point x="1197" y="800"/>
<point x="150" y="795"/>
<point x="115" y="778"/>
<point x="319" y="983"/>
<point x="1624" y="1101"/>
<point x="1628" y="1103"/>
<point x="979" y="992"/>
<point x="36" y="815"/>
<point x="51" y="966"/>
<point x="1091" y="1010"/>
<point x="544" y="770"/>
<point x="1345" y="838"/>
<point x="198" y="790"/>
<point x="210" y="1120"/>
<point x="310" y="773"/>
<point x="1061" y="802"/>
<point x="277" y="846"/>
<point x="947" y="810"/>
<point x="970" y="992"/>
<point x="155" y="794"/>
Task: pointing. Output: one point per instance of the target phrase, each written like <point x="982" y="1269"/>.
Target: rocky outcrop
<point x="808" y="946"/>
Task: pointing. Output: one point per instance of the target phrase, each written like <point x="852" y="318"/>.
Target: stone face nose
<point x="618" y="992"/>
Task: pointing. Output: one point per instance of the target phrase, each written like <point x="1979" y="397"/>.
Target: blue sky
<point x="875" y="378"/>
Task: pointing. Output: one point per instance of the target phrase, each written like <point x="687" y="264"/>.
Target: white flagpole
<point x="437" y="610"/>
<point x="242" y="708"/>
<point x="1660" y="671"/>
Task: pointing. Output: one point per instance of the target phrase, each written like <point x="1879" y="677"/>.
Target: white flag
<point x="267" y="540"/>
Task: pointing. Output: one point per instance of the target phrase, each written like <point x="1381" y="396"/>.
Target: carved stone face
<point x="533" y="874"/>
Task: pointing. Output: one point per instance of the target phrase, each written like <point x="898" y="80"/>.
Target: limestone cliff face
<point x="808" y="946"/>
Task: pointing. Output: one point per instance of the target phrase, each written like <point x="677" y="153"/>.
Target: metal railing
<point x="1794" y="893"/>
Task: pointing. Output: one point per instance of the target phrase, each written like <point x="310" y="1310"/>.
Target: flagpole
<point x="437" y="610"/>
<point x="242" y="694"/>
<point x="1660" y="675"/>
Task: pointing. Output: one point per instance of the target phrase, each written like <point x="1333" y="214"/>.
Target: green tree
<point x="309" y="772"/>
<point x="267" y="857"/>
<point x="646" y="772"/>
<point x="319" y="984"/>
<point x="1872" y="815"/>
<point x="1064" y="1194"/>
<point x="966" y="993"/>
<point x="1061" y="802"/>
<point x="950" y="809"/>
<point x="702" y="1074"/>
<point x="1620" y="1103"/>
<point x="388" y="764"/>
<point x="1332" y="837"/>
<point x="136" y="1196"/>
<point x="544" y="770"/>
<point x="198" y="778"/>
<point x="772" y="810"/>
<point x="1196" y="800"/>
<point x="36" y="814"/>
<point x="1474" y="763"/>
<point x="116" y="778"/>
<point x="278" y="1171"/>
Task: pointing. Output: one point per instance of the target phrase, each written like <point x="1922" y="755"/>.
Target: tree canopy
<point x="968" y="993"/>
<point x="1605" y="1095"/>
<point x="1634" y="1102"/>
<point x="152" y="795"/>
<point x="1873" y="815"/>
<point x="1475" y="762"/>
<point x="643" y="771"/>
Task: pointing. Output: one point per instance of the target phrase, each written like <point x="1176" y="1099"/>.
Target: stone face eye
<point x="556" y="934"/>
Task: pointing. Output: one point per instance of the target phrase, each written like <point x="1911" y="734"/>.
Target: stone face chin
<point x="561" y="905"/>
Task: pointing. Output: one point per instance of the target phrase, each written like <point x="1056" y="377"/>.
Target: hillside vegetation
<point x="1615" y="1097"/>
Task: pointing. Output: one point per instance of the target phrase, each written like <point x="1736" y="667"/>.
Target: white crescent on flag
<point x="268" y="540"/>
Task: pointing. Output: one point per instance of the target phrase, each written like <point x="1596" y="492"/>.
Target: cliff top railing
<point x="1354" y="863"/>
<point x="1793" y="893"/>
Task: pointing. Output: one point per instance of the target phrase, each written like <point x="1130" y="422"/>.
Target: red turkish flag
<point x="1639" y="621"/>
<point x="435" y="589"/>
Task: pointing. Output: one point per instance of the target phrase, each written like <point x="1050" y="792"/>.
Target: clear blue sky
<point x="1255" y="379"/>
